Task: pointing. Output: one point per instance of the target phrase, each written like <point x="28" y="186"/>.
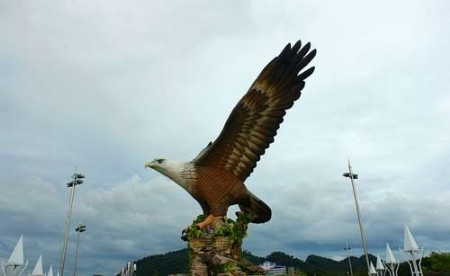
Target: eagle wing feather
<point x="254" y="121"/>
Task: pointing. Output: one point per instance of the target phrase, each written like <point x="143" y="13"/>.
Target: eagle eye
<point x="159" y="160"/>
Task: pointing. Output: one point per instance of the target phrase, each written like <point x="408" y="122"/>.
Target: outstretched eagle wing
<point x="253" y="123"/>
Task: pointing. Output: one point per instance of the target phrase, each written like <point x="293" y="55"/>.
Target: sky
<point x="101" y="87"/>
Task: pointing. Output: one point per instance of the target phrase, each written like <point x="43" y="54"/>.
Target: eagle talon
<point x="208" y="220"/>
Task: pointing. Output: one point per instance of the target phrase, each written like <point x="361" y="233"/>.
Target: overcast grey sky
<point x="108" y="85"/>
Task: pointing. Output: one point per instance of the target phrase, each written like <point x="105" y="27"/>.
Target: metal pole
<point x="417" y="269"/>
<point x="66" y="233"/>
<point x="76" y="255"/>
<point x="413" y="258"/>
<point x="76" y="180"/>
<point x="359" y="215"/>
<point x="348" y="248"/>
<point x="80" y="228"/>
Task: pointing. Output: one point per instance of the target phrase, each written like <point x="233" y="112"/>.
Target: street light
<point x="353" y="176"/>
<point x="80" y="229"/>
<point x="348" y="248"/>
<point x="76" y="180"/>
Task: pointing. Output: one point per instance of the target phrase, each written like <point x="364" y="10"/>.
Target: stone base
<point x="216" y="249"/>
<point x="212" y="255"/>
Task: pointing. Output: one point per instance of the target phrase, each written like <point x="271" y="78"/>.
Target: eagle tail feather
<point x="259" y="210"/>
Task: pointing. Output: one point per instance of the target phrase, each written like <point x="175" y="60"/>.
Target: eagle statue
<point x="215" y="178"/>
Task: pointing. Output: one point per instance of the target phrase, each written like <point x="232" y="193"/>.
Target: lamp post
<point x="80" y="229"/>
<point x="76" y="180"/>
<point x="353" y="176"/>
<point x="348" y="248"/>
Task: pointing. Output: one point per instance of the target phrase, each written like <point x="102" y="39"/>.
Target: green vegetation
<point x="178" y="262"/>
<point x="237" y="231"/>
<point x="169" y="263"/>
<point x="436" y="264"/>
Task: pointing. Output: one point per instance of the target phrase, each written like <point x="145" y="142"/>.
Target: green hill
<point x="169" y="263"/>
<point x="436" y="264"/>
<point x="178" y="262"/>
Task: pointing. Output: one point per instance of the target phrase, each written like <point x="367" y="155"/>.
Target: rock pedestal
<point x="216" y="250"/>
<point x="211" y="255"/>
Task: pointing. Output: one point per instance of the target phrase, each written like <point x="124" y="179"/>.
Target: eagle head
<point x="157" y="164"/>
<point x="170" y="168"/>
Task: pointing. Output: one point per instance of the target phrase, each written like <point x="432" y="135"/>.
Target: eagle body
<point x="218" y="190"/>
<point x="213" y="188"/>
<point x="215" y="178"/>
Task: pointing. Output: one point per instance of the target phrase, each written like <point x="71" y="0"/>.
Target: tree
<point x="439" y="262"/>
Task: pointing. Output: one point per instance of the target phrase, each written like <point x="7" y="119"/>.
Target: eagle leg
<point x="207" y="221"/>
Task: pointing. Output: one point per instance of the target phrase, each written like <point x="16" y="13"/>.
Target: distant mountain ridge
<point x="436" y="264"/>
<point x="178" y="262"/>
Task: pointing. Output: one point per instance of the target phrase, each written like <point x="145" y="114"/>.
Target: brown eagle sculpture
<point x="215" y="178"/>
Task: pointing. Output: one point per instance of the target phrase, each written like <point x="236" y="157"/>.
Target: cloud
<point x="104" y="87"/>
